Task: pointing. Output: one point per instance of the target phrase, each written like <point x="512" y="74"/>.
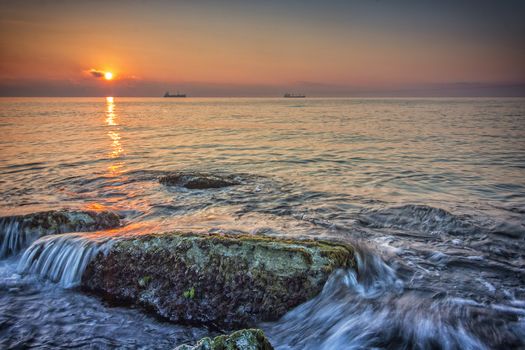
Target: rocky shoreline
<point x="222" y="281"/>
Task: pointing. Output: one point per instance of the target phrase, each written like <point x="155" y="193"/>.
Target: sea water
<point x="430" y="191"/>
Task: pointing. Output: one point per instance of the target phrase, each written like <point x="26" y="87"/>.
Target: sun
<point x="108" y="75"/>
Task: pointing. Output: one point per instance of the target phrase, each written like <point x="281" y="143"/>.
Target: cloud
<point x="96" y="73"/>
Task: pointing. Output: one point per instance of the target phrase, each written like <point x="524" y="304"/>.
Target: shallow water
<point x="431" y="190"/>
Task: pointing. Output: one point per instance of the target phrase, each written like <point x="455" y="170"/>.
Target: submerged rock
<point x="197" y="180"/>
<point x="217" y="280"/>
<point x="19" y="231"/>
<point x="245" y="339"/>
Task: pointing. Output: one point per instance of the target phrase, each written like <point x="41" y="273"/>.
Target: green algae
<point x="190" y="293"/>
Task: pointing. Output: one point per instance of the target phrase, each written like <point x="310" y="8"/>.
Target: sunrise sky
<point x="262" y="48"/>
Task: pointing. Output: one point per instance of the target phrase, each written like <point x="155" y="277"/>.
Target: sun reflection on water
<point x="116" y="150"/>
<point x="115" y="145"/>
<point x="110" y="111"/>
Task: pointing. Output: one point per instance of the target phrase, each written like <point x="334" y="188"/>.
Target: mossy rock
<point x="218" y="280"/>
<point x="19" y="231"/>
<point x="245" y="339"/>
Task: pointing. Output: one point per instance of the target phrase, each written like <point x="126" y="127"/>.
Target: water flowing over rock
<point x="377" y="313"/>
<point x="198" y="180"/>
<point x="18" y="232"/>
<point x="245" y="339"/>
<point x="420" y="218"/>
<point x="218" y="280"/>
<point x="60" y="258"/>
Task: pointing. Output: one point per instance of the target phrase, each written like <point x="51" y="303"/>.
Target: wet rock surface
<point x="217" y="280"/>
<point x="245" y="339"/>
<point x="18" y="231"/>
<point x="199" y="180"/>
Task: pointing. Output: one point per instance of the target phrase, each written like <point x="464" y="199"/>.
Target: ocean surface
<point x="430" y="191"/>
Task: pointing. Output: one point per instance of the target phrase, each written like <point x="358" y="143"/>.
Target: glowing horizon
<point x="338" y="47"/>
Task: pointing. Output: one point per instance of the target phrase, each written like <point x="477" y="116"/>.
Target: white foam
<point x="60" y="258"/>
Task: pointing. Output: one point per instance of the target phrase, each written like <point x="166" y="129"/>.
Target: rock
<point x="245" y="339"/>
<point x="19" y="231"/>
<point x="197" y="180"/>
<point x="218" y="280"/>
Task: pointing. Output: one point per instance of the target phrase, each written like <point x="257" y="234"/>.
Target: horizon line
<point x="263" y="96"/>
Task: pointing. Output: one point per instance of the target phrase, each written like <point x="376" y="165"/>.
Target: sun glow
<point x="108" y="75"/>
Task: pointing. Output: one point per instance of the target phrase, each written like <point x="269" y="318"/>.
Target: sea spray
<point x="61" y="258"/>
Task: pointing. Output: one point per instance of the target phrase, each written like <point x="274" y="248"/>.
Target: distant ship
<point x="289" y="95"/>
<point x="167" y="94"/>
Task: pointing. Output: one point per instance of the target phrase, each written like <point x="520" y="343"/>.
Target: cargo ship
<point x="289" y="95"/>
<point x="167" y="94"/>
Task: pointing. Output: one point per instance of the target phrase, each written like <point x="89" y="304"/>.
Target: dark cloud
<point x="96" y="73"/>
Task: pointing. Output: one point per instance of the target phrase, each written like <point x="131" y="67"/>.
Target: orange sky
<point x="176" y="44"/>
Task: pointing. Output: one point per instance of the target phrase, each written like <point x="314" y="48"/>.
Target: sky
<point x="263" y="48"/>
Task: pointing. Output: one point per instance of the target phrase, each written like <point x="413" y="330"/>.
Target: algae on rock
<point x="245" y="339"/>
<point x="218" y="280"/>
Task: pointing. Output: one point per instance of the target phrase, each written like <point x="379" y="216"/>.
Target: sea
<point x="430" y="191"/>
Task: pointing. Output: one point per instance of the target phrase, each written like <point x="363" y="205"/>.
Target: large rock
<point x="218" y="280"/>
<point x="19" y="231"/>
<point x="198" y="180"/>
<point x="245" y="339"/>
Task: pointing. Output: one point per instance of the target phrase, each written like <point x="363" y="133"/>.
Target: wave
<point x="353" y="312"/>
<point x="421" y="218"/>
